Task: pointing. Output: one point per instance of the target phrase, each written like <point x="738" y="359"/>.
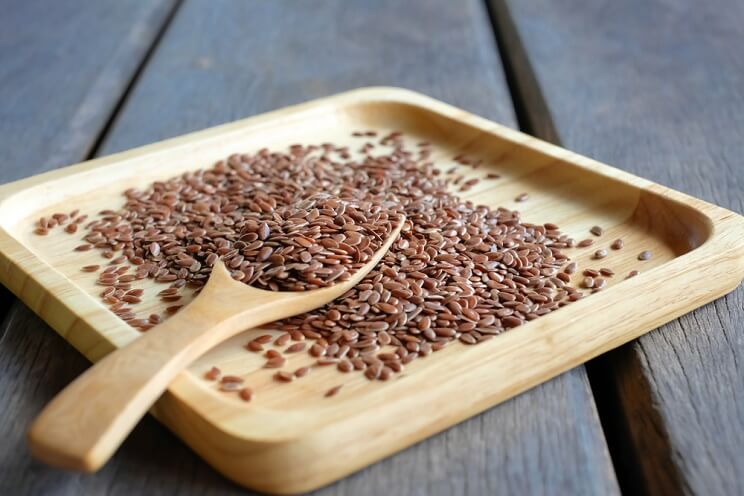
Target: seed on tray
<point x="492" y="175"/>
<point x="308" y="217"/>
<point x="333" y="391"/>
<point x="284" y="376"/>
<point x="275" y="362"/>
<point x="230" y="386"/>
<point x="585" y="242"/>
<point x="90" y="268"/>
<point x="232" y="378"/>
<point x="588" y="282"/>
<point x="254" y="346"/>
<point x="632" y="273"/>
<point x="645" y="255"/>
<point x="617" y="244"/>
<point x="571" y="268"/>
<point x="302" y="371"/>
<point x="522" y="197"/>
<point x="599" y="283"/>
<point x="596" y="230"/>
<point x="600" y="254"/>
<point x="295" y="348"/>
<point x="246" y="394"/>
<point x="591" y="273"/>
<point x="606" y="272"/>
<point x="213" y="374"/>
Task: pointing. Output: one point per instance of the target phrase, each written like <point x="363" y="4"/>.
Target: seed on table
<point x="591" y="273"/>
<point x="522" y="197"/>
<point x="645" y="255"/>
<point x="588" y="282"/>
<point x="599" y="283"/>
<point x="333" y="391"/>
<point x="617" y="244"/>
<point x="585" y="242"/>
<point x="596" y="230"/>
<point x="246" y="394"/>
<point x="492" y="175"/>
<point x="213" y="374"/>
<point x="90" y="268"/>
<point x="282" y="340"/>
<point x="633" y="273"/>
<point x="600" y="254"/>
<point x="606" y="272"/>
<point x="83" y="247"/>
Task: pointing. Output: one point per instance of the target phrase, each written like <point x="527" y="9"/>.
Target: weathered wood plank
<point x="656" y="88"/>
<point x="65" y="65"/>
<point x="225" y="60"/>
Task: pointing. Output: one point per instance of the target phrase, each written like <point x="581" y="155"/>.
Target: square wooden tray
<point x="698" y="256"/>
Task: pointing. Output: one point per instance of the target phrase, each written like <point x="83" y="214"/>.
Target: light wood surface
<point x="254" y="444"/>
<point x="655" y="88"/>
<point x="85" y="423"/>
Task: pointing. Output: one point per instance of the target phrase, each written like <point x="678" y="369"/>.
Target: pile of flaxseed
<point x="310" y="216"/>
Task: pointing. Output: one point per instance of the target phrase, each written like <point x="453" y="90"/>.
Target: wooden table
<point x="652" y="87"/>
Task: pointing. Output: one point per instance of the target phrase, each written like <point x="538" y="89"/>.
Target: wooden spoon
<point x="86" y="422"/>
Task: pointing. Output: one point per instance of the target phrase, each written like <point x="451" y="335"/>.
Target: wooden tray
<point x="291" y="438"/>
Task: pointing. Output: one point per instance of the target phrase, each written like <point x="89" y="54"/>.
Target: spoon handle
<point x="85" y="423"/>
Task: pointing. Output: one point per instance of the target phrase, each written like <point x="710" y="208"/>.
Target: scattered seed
<point x="213" y="374"/>
<point x="90" y="268"/>
<point x="585" y="242"/>
<point x="333" y="391"/>
<point x="284" y="376"/>
<point x="600" y="254"/>
<point x="617" y="244"/>
<point x="302" y="372"/>
<point x="522" y="197"/>
<point x="275" y="363"/>
<point x="596" y="230"/>
<point x="633" y="273"/>
<point x="246" y="394"/>
<point x="645" y="255"/>
<point x="295" y="348"/>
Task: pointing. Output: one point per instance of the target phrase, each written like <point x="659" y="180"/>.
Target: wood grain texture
<point x="232" y="59"/>
<point x="655" y="88"/>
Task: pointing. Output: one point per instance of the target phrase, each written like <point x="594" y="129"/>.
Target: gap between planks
<point x="534" y="117"/>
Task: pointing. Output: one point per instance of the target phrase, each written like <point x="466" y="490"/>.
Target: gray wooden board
<point x="63" y="68"/>
<point x="223" y="60"/>
<point x="656" y="88"/>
